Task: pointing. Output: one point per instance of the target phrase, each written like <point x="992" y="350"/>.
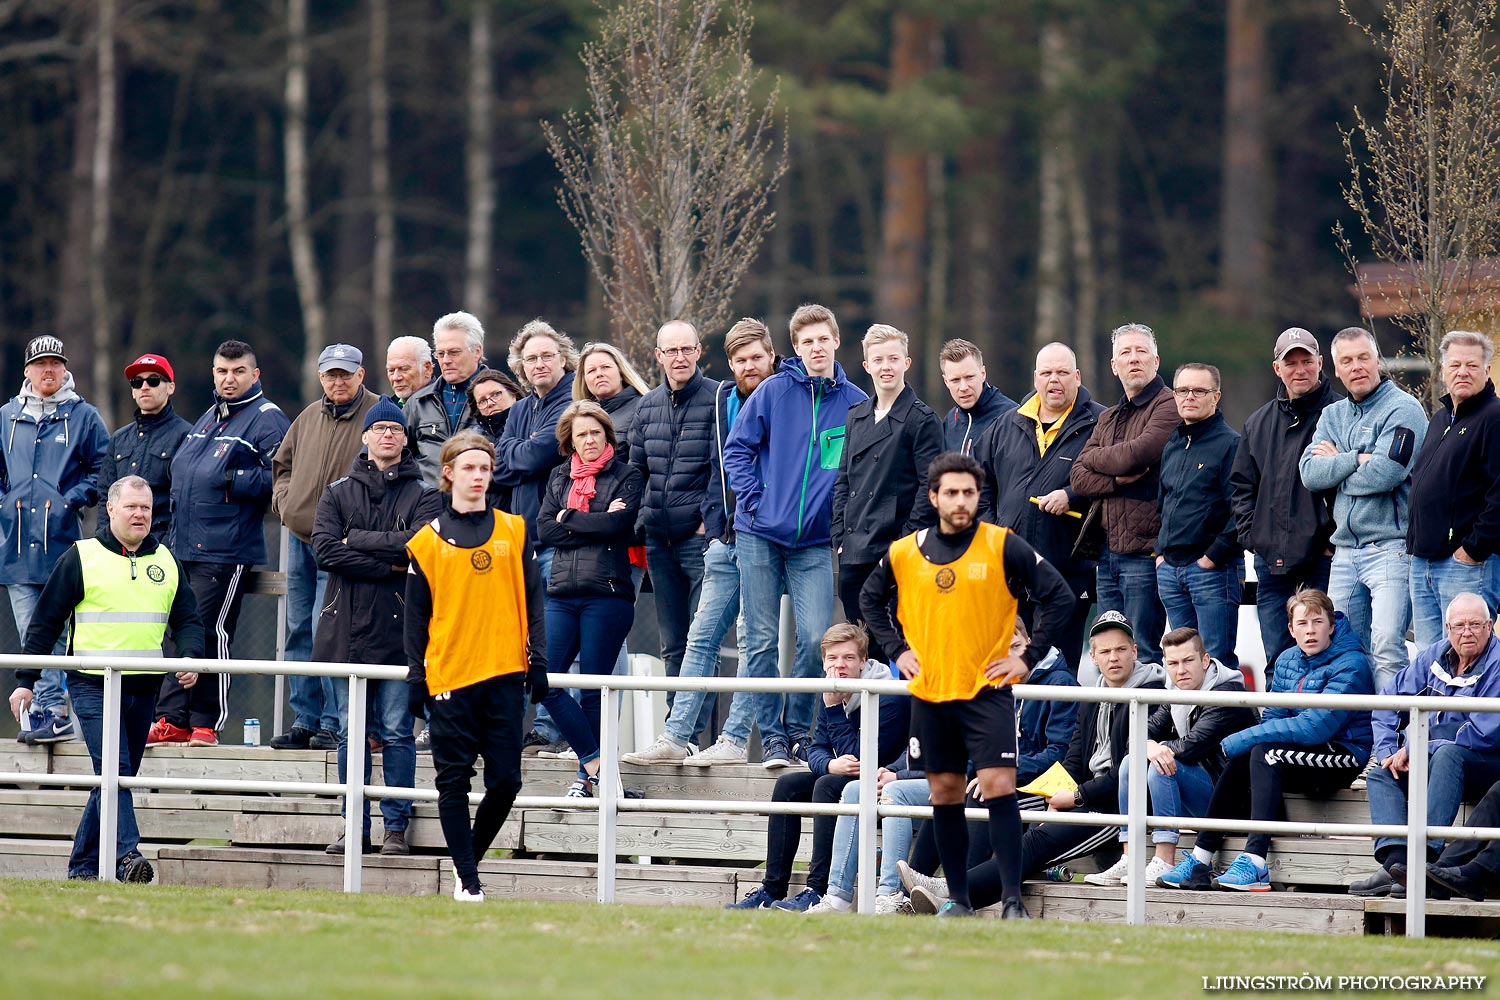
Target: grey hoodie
<point x="1218" y="676"/>
<point x="1099" y="761"/>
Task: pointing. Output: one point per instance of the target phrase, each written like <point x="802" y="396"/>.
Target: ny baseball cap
<point x="340" y="356"/>
<point x="150" y="363"/>
<point x="1294" y="338"/>
<point x="1109" y="620"/>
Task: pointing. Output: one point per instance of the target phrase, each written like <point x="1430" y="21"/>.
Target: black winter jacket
<point x="1276" y="517"/>
<point x="670" y="443"/>
<point x="360" y="531"/>
<point x="1455" y="483"/>
<point x="1207" y="727"/>
<point x="592" y="548"/>
<point x="962" y="428"/>
<point x="1015" y="472"/>
<point x="144" y="447"/>
<point x="881" y="491"/>
<point x="1101" y="792"/>
<point x="1196" y="519"/>
<point x="622" y="408"/>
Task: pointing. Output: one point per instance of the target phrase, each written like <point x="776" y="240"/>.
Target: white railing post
<point x="278" y="712"/>
<point x="356" y="748"/>
<point x="1416" y="825"/>
<point x="1135" y="829"/>
<point x="869" y="765"/>
<point x="609" y="789"/>
<point x="109" y="771"/>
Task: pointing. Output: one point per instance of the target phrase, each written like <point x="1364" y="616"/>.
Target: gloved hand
<point x="536" y="684"/>
<point x="416" y="698"/>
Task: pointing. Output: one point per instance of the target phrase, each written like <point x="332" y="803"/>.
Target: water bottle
<point x="1059" y="873"/>
<point x="252" y="732"/>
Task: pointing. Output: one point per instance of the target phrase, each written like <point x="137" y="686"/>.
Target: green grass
<point x="76" y="940"/>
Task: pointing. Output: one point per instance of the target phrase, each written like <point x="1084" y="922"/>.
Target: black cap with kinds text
<point x="45" y="347"/>
<point x="1109" y="620"/>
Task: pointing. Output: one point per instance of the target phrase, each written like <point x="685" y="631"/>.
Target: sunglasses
<point x="142" y="380"/>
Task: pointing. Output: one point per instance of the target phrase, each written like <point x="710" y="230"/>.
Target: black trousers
<point x="220" y="589"/>
<point x="784" y="833"/>
<point x="481" y="720"/>
<point x="1485" y="853"/>
<point x="1252" y="785"/>
<point x="1042" y="846"/>
<point x="852" y="577"/>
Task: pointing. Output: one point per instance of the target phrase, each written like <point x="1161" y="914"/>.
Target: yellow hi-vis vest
<point x="126" y="603"/>
<point x="958" y="617"/>
<point x="478" y="626"/>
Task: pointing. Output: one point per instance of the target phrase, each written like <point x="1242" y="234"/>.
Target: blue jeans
<point x="767" y="570"/>
<point x="1434" y="585"/>
<point x="718" y="607"/>
<point x="136" y="713"/>
<point x="676" y="581"/>
<point x="895" y="839"/>
<point x="1128" y="584"/>
<point x="50" y="692"/>
<point x="1369" y="585"/>
<point x="312" y="698"/>
<point x="592" y="629"/>
<point x="1454" y="774"/>
<point x="1207" y="600"/>
<point x="1272" y="591"/>
<point x="388" y="719"/>
<point x="1185" y="793"/>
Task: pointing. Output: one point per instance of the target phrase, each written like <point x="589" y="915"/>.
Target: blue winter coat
<point x="49" y="470"/>
<point x="783" y="455"/>
<point x="671" y="443"/>
<point x="837" y="731"/>
<point x="1342" y="668"/>
<point x="221" y="481"/>
<point x="1431" y="673"/>
<point x="1045" y="727"/>
<point x="527" y="451"/>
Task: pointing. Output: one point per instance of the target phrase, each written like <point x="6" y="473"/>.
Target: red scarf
<point x="582" y="474"/>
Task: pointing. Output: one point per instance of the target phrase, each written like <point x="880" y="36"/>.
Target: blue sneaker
<point x="776" y="753"/>
<point x="799" y="903"/>
<point x="756" y="899"/>
<point x="35" y="719"/>
<point x="56" y="729"/>
<point x="1190" y="873"/>
<point x="1244" y="875"/>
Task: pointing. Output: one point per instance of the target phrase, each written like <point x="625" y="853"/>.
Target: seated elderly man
<point x="1469" y="868"/>
<point x="1463" y="748"/>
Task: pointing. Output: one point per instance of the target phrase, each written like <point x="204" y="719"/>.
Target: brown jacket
<point x="318" y="448"/>
<point x="1128" y="441"/>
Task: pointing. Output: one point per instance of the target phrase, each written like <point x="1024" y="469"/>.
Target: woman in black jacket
<point x="608" y="378"/>
<point x="588" y="519"/>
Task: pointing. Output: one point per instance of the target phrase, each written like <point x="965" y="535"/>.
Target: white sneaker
<point x="663" y="751"/>
<point x="1113" y="875"/>
<point x="724" y="751"/>
<point x="1155" y="869"/>
<point x="892" y="902"/>
<point x="912" y="879"/>
<point x="830" y="904"/>
<point x="461" y="894"/>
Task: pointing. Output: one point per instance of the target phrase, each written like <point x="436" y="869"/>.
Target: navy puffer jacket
<point x="671" y="442"/>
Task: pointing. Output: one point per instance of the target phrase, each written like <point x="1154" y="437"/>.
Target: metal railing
<point x="609" y="802"/>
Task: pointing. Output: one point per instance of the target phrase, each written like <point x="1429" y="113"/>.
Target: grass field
<point x="76" y="940"/>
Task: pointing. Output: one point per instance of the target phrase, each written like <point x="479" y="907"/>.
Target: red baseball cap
<point x="150" y="363"/>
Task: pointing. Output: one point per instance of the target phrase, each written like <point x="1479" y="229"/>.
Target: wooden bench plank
<point x="1310" y="913"/>
<point x="234" y="867"/>
<point x="718" y="837"/>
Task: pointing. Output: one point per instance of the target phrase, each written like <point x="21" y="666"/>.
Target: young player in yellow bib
<point x="954" y="593"/>
<point x="476" y="643"/>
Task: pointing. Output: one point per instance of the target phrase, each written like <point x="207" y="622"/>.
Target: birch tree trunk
<point x="1052" y="224"/>
<point x="299" y="235"/>
<point x="383" y="274"/>
<point x="1245" y="252"/>
<point x="904" y="212"/>
<point x="479" y="164"/>
<point x="103" y="371"/>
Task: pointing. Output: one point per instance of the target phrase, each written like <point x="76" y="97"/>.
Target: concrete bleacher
<point x="706" y="859"/>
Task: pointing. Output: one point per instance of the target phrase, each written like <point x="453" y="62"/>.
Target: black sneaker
<point x="1377" y="883"/>
<point x="533" y="744"/>
<point x="424" y="740"/>
<point x="1014" y="909"/>
<point x="323" y="740"/>
<point x="134" y="868"/>
<point x="953" y="908"/>
<point x="337" y="847"/>
<point x="295" y="738"/>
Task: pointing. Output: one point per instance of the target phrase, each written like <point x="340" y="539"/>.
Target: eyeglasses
<point x="678" y="352"/>
<point x="1473" y="628"/>
<point x="143" y="380"/>
<point x="387" y="430"/>
<point x="495" y="398"/>
<point x="540" y="359"/>
<point x="336" y="376"/>
<point x="456" y="352"/>
<point x="1194" y="392"/>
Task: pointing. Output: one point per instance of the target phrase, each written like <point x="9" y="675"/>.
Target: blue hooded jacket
<point x="49" y="470"/>
<point x="1045" y="727"/>
<point x="1431" y="673"/>
<point x="1342" y="668"/>
<point x="782" y="457"/>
